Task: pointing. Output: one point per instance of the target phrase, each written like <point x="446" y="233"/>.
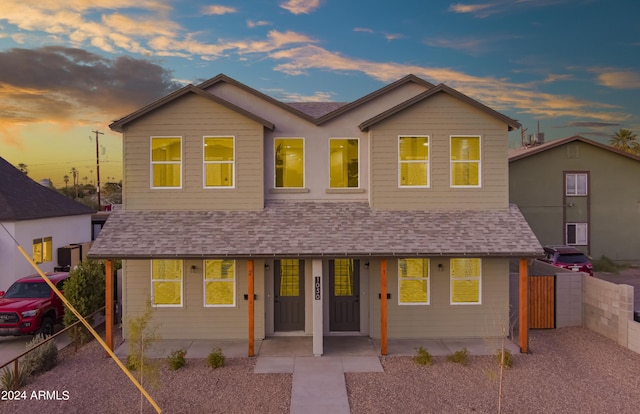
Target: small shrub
<point x="8" y="379"/>
<point x="216" y="359"/>
<point x="423" y="357"/>
<point x="176" y="359"/>
<point x="605" y="264"/>
<point x="459" y="357"/>
<point x="43" y="358"/>
<point x="504" y="358"/>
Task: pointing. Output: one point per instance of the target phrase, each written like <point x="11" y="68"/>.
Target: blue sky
<point x="69" y="67"/>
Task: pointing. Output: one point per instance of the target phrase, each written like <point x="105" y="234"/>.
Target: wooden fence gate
<point x="542" y="302"/>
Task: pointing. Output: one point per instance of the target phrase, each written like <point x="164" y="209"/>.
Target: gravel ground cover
<point x="569" y="370"/>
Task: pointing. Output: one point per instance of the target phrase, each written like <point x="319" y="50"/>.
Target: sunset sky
<point x="70" y="67"/>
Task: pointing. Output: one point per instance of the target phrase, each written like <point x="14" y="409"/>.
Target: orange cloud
<point x="300" y="6"/>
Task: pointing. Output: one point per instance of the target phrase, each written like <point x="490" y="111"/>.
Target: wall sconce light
<point x="570" y="204"/>
<point x="193" y="268"/>
<point x="366" y="265"/>
<point x="267" y="267"/>
<point x="440" y="267"/>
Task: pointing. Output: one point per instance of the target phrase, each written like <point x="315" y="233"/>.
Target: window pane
<point x="219" y="269"/>
<point x="218" y="149"/>
<point x="413" y="174"/>
<point x="47" y="250"/>
<point x="343" y="163"/>
<point x="166" y="149"/>
<point x="166" y="175"/>
<point x="166" y="293"/>
<point x="219" y="175"/>
<point x="167" y="269"/>
<point x="413" y="291"/>
<point x="465" y="149"/>
<point x="343" y="277"/>
<point x="465" y="267"/>
<point x="581" y="184"/>
<point x="36" y="250"/>
<point x="414" y="148"/>
<point x="289" y="277"/>
<point x="465" y="173"/>
<point x="289" y="162"/>
<point x="571" y="184"/>
<point x="219" y="293"/>
<point x="465" y="291"/>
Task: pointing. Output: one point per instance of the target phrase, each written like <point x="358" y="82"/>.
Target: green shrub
<point x="504" y="358"/>
<point x="176" y="359"/>
<point x="423" y="357"/>
<point x="216" y="359"/>
<point x="85" y="290"/>
<point x="142" y="334"/>
<point x="8" y="379"/>
<point x="41" y="359"/>
<point x="459" y="357"/>
<point x="604" y="264"/>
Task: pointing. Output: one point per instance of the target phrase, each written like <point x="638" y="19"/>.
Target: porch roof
<point x="313" y="229"/>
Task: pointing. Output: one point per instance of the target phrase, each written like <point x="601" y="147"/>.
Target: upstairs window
<point x="576" y="184"/>
<point x="465" y="161"/>
<point x="413" y="281"/>
<point x="413" y="161"/>
<point x="166" y="282"/>
<point x="219" y="161"/>
<point x="289" y="161"/>
<point x="466" y="278"/>
<point x="219" y="283"/>
<point x="42" y="250"/>
<point x="166" y="162"/>
<point x="343" y="163"/>
<point x="577" y="234"/>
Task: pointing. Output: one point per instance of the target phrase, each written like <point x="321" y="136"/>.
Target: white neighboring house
<point x="40" y="219"/>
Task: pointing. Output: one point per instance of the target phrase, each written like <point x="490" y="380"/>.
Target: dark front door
<point x="289" y="295"/>
<point x="344" y="298"/>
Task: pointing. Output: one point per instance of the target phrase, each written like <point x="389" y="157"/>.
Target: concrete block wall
<point x="569" y="299"/>
<point x="608" y="308"/>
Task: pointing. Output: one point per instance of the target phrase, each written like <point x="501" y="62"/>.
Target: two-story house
<point x="245" y="217"/>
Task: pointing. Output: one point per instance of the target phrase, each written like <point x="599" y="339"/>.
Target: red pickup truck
<point x="30" y="306"/>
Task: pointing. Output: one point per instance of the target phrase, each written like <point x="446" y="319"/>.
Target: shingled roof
<point x="312" y="229"/>
<point x="21" y="198"/>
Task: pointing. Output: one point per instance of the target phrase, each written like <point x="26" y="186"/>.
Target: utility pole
<point x="98" y="167"/>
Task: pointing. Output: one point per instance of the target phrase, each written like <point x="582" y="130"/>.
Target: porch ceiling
<point x="313" y="229"/>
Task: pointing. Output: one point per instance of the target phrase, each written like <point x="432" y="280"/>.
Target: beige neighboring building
<point x="243" y="211"/>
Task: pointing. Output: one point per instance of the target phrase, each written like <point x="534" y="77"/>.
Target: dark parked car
<point x="568" y="257"/>
<point x="29" y="306"/>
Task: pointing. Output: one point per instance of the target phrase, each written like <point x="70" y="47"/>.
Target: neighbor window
<point x="413" y="281"/>
<point x="343" y="163"/>
<point x="289" y="158"/>
<point x="219" y="161"/>
<point x="166" y="162"/>
<point x="465" y="161"/>
<point x="576" y="184"/>
<point x="577" y="234"/>
<point x="413" y="161"/>
<point x="466" y="278"/>
<point x="42" y="250"/>
<point x="166" y="282"/>
<point x="219" y="283"/>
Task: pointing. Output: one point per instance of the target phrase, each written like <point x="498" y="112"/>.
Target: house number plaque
<point x="317" y="287"/>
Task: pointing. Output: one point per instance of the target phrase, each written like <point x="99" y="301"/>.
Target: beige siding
<point x="193" y="320"/>
<point x="439" y="117"/>
<point x="440" y="319"/>
<point x="193" y="117"/>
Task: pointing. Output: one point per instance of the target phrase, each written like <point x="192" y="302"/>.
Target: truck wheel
<point x="46" y="327"/>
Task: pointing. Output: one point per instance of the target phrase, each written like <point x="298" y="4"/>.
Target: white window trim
<point x="152" y="163"/>
<point x="585" y="227"/>
<point x="400" y="162"/>
<point x="204" y="286"/>
<point x="359" y="176"/>
<point x="428" y="279"/>
<point x="479" y="278"/>
<point x="161" y="305"/>
<point x="479" y="162"/>
<point x="575" y="178"/>
<point x="205" y="163"/>
<point x="304" y="164"/>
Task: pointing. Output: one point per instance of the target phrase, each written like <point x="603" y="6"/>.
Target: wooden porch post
<point x="108" y="310"/>
<point x="523" y="330"/>
<point x="251" y="306"/>
<point x="383" y="307"/>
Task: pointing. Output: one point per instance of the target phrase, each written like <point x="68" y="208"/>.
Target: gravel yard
<point x="570" y="370"/>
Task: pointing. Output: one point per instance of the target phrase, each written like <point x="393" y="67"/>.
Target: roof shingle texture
<point x="311" y="229"/>
<point x="21" y="198"/>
